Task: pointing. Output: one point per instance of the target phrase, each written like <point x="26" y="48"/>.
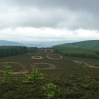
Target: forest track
<point x="91" y="66"/>
<point x="86" y="64"/>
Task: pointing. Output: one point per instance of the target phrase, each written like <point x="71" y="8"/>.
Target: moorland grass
<point x="75" y="81"/>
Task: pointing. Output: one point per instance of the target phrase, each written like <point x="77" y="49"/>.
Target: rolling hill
<point x="90" y="44"/>
<point x="34" y="43"/>
<point x="9" y="43"/>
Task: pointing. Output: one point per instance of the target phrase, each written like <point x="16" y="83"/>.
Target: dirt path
<point x="51" y="66"/>
<point x="91" y="66"/>
<point x="54" y="58"/>
<point x="24" y="70"/>
<point x="86" y="64"/>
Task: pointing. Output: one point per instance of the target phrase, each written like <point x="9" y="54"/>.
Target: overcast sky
<point x="29" y="20"/>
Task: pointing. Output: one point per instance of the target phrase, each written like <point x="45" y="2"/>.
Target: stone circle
<point x="51" y="66"/>
<point x="54" y="58"/>
<point x="48" y="50"/>
<point x="37" y="57"/>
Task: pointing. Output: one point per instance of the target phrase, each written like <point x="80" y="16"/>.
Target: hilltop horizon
<point x="45" y="43"/>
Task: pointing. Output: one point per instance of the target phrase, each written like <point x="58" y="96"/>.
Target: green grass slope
<point x="91" y="44"/>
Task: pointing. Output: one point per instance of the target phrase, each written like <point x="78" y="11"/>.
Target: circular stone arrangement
<point x="37" y="57"/>
<point x="48" y="50"/>
<point x="51" y="66"/>
<point x="60" y="57"/>
<point x="23" y="71"/>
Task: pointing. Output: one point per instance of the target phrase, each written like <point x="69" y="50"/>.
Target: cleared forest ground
<point x="70" y="74"/>
<point x="64" y="66"/>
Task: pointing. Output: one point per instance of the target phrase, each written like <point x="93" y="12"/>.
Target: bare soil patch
<point x="23" y="71"/>
<point x="54" y="56"/>
<point x="43" y="66"/>
<point x="37" y="57"/>
<point x="78" y="61"/>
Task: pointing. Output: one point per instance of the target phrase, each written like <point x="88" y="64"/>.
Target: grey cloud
<point x="76" y="4"/>
<point x="50" y="13"/>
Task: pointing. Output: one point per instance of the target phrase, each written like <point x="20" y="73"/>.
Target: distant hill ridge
<point x="90" y="44"/>
<point x="34" y="43"/>
<point x="9" y="43"/>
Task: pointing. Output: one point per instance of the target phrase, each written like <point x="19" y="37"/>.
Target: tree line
<point x="77" y="52"/>
<point x="6" y="51"/>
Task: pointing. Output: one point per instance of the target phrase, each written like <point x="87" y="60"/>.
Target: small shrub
<point x="49" y="90"/>
<point x="7" y="74"/>
<point x="33" y="77"/>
